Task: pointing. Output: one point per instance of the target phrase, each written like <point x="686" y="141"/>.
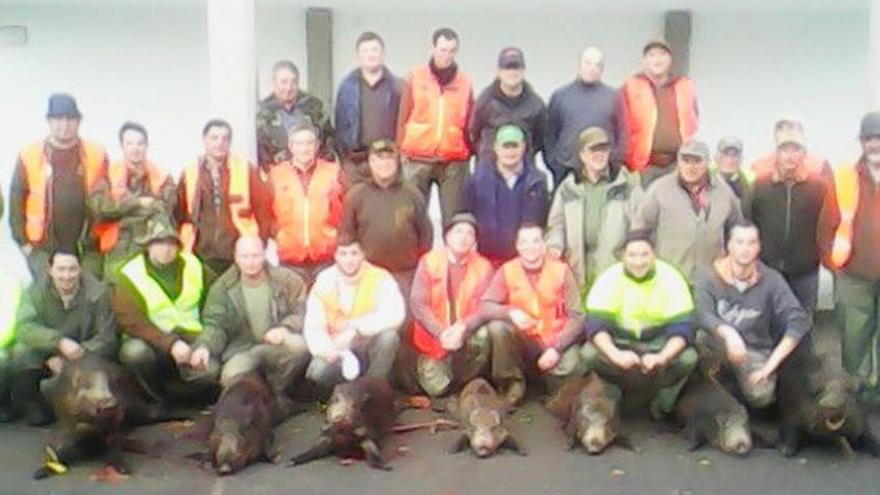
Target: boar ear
<point x="460" y="444"/>
<point x="511" y="444"/>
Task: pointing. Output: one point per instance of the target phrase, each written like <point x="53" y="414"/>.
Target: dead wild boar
<point x="818" y="402"/>
<point x="482" y="412"/>
<point x="96" y="404"/>
<point x="360" y="416"/>
<point x="590" y="414"/>
<point x="712" y="416"/>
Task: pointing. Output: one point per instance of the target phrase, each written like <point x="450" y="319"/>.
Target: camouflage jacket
<point x="272" y="134"/>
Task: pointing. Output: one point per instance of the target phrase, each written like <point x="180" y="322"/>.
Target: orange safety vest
<point x="477" y="270"/>
<point x="305" y="220"/>
<point x="239" y="199"/>
<point x="117" y="176"/>
<point x="766" y="165"/>
<point x="437" y="125"/>
<point x="640" y="112"/>
<point x="544" y="303"/>
<point x="364" y="299"/>
<point x="38" y="174"/>
<point x="846" y="187"/>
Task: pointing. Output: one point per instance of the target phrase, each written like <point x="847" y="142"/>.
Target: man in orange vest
<point x="134" y="191"/>
<point x="353" y="315"/>
<point x="51" y="185"/>
<point x="660" y="113"/>
<point x="533" y="301"/>
<point x="791" y="150"/>
<point x="849" y="237"/>
<point x="435" y="108"/>
<point x="305" y="202"/>
<point x="452" y="344"/>
<point x="219" y="198"/>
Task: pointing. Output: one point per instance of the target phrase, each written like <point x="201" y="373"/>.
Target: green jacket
<point x="272" y="134"/>
<point x="227" y="330"/>
<point x="565" y="224"/>
<point x="42" y="319"/>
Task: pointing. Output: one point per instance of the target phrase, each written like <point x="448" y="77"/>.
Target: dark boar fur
<point x="482" y="412"/>
<point x="360" y="416"/>
<point x="818" y="402"/>
<point x="589" y="413"/>
<point x="96" y="403"/>
<point x="711" y="415"/>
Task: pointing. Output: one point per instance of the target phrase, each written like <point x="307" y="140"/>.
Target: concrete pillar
<point x="874" y="55"/>
<point x="677" y="31"/>
<point x="232" y="70"/>
<point x="319" y="50"/>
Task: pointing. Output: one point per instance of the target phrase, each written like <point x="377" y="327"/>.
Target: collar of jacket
<point x="359" y="75"/>
<point x="571" y="189"/>
<point x="648" y="276"/>
<point x="724" y="271"/>
<point x="231" y="282"/>
<point x="272" y="103"/>
<point x="672" y="79"/>
<point x="499" y="95"/>
<point x="800" y="175"/>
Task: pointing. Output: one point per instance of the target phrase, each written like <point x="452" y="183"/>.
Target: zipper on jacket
<point x="787" y="230"/>
<point x="440" y="118"/>
<point x="306" y="239"/>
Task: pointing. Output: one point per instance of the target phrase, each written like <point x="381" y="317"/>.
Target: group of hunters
<point x="646" y="237"/>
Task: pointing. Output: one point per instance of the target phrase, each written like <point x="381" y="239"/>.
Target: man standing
<point x="585" y="102"/>
<point x="849" y="234"/>
<point x="640" y="324"/>
<point x="253" y="319"/>
<point x="51" y="185"/>
<point x="284" y="108"/>
<point x="157" y="301"/>
<point x="305" y="202"/>
<point x="728" y="163"/>
<point x="135" y="191"/>
<point x="749" y="309"/>
<point x="448" y="334"/>
<point x="592" y="209"/>
<point x="367" y="106"/>
<point x="688" y="210"/>
<point x="433" y="124"/>
<point x="785" y="205"/>
<point x="63" y="314"/>
<point x="533" y="300"/>
<point x="388" y="218"/>
<point x="788" y="132"/>
<point x="353" y="316"/>
<point x="219" y="198"/>
<point x="660" y="113"/>
<point x="508" y="100"/>
<point x="503" y="193"/>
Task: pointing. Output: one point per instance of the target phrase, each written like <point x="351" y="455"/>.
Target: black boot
<point x="29" y="401"/>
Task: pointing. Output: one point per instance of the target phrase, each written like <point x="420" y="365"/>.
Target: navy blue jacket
<point x="348" y="110"/>
<point x="500" y="210"/>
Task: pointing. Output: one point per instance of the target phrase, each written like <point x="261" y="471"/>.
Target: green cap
<point x="510" y="134"/>
<point x="158" y="230"/>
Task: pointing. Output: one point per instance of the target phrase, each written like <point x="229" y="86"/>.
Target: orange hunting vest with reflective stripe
<point x="544" y="303"/>
<point x="238" y="199"/>
<point x="117" y="176"/>
<point x="846" y="187"/>
<point x="640" y="108"/>
<point x="438" y="122"/>
<point x="477" y="270"/>
<point x="38" y="173"/>
<point x="364" y="299"/>
<point x="304" y="223"/>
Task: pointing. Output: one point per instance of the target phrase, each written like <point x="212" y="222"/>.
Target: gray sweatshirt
<point x="762" y="313"/>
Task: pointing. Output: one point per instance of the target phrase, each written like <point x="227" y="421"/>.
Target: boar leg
<point x="869" y="444"/>
<point x="460" y="444"/>
<point x="510" y="443"/>
<point x="115" y="456"/>
<point x="270" y="454"/>
<point x="789" y="441"/>
<point x="571" y="439"/>
<point x="324" y="448"/>
<point x="374" y="456"/>
<point x="625" y="442"/>
<point x="695" y="439"/>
